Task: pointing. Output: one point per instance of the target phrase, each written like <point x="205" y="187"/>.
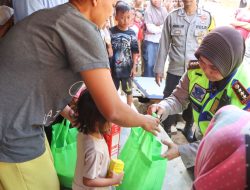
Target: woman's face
<point x="211" y="72"/>
<point x="156" y="3"/>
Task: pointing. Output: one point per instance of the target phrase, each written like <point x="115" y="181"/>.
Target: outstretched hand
<point x="151" y="124"/>
<point x="172" y="151"/>
<point x="156" y="108"/>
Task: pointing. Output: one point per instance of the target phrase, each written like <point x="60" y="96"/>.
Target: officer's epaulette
<point x="241" y="92"/>
<point x="193" y="64"/>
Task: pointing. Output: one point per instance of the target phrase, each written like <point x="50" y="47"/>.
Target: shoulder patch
<point x="193" y="64"/>
<point x="241" y="92"/>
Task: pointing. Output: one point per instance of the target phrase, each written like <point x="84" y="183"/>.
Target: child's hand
<point x="117" y="177"/>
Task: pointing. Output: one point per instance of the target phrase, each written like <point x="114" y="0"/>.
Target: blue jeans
<point x="150" y="50"/>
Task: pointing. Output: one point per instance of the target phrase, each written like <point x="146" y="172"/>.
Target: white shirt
<point x="92" y="161"/>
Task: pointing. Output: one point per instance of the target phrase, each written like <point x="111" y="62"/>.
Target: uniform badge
<point x="177" y="32"/>
<point x="198" y="92"/>
<point x="241" y="92"/>
<point x="215" y="105"/>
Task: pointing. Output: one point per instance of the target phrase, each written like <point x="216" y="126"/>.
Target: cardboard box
<point x="113" y="140"/>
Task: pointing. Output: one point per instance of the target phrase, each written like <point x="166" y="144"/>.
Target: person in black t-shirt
<point x="125" y="50"/>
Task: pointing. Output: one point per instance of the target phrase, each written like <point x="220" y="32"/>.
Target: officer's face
<point x="188" y="3"/>
<point x="211" y="72"/>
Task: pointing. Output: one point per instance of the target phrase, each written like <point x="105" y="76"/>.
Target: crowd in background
<point x="146" y="21"/>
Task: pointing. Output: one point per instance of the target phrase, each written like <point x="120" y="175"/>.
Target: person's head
<point x="122" y="14"/>
<point x="138" y="16"/>
<point x="138" y="3"/>
<point x="221" y="52"/>
<point x="177" y="3"/>
<point x="132" y="16"/>
<point x="97" y="11"/>
<point x="89" y="118"/>
<point x="156" y="3"/>
<point x="189" y="3"/>
<point x="222" y="160"/>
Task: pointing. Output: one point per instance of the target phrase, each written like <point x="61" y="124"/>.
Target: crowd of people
<point x="47" y="47"/>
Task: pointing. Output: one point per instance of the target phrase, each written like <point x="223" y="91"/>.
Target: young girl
<point x="92" y="151"/>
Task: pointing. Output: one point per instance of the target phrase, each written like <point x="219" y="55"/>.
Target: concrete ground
<point x="177" y="177"/>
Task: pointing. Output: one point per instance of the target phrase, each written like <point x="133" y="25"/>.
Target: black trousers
<point x="187" y="115"/>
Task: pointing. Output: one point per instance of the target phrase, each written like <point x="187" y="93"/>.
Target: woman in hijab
<point x="155" y="15"/>
<point x="223" y="157"/>
<point x="220" y="77"/>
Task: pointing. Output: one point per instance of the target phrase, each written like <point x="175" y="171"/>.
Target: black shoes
<point x="188" y="133"/>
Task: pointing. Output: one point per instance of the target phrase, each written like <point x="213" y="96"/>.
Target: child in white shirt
<point x="92" y="151"/>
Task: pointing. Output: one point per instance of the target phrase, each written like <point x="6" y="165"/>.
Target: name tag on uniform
<point x="178" y="26"/>
<point x="202" y="27"/>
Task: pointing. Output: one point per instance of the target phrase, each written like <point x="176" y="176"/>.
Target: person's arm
<point x="176" y="102"/>
<point x="163" y="51"/>
<point x="4" y="28"/>
<point x="242" y="24"/>
<point x="188" y="152"/>
<point x="245" y="25"/>
<point x="68" y="113"/>
<point x="103" y="182"/>
<point x="135" y="54"/>
<point x="237" y="23"/>
<point x="104" y="93"/>
<point x="152" y="27"/>
<point x="133" y="70"/>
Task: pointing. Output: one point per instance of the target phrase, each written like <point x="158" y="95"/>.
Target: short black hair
<point x="122" y="6"/>
<point x="88" y="115"/>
